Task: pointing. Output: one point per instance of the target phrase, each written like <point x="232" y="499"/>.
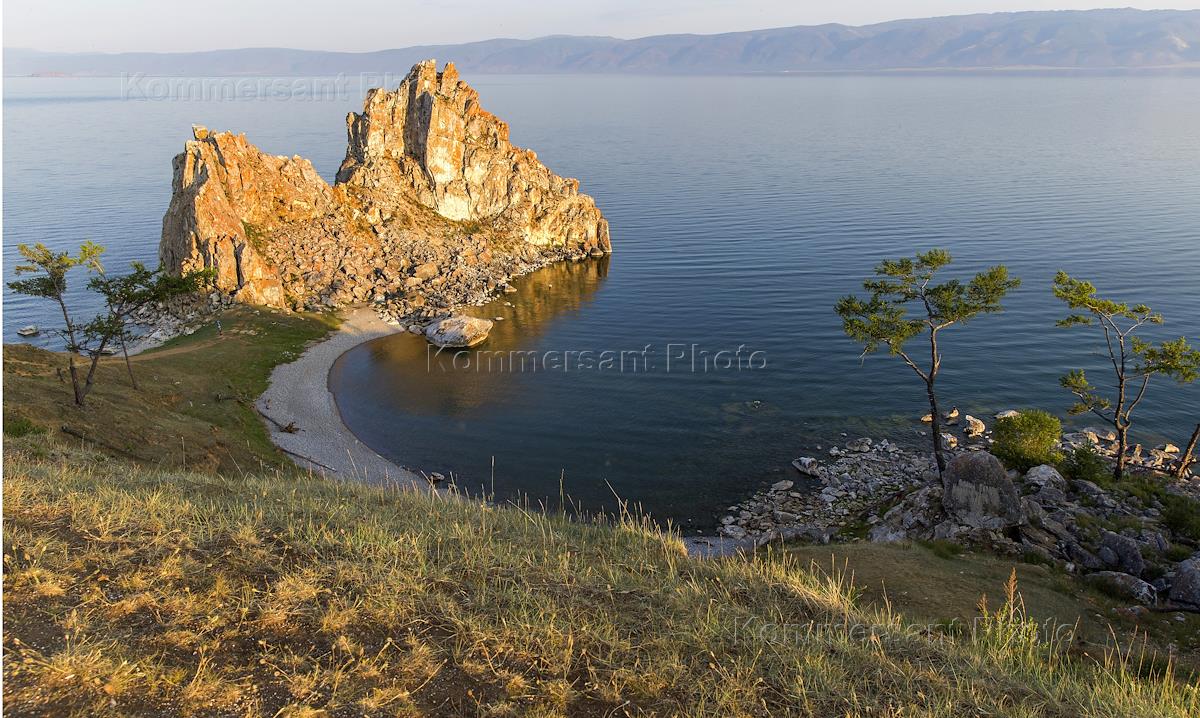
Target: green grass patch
<point x="194" y="407"/>
<point x="16" y="426"/>
<point x="1182" y="515"/>
<point x="942" y="549"/>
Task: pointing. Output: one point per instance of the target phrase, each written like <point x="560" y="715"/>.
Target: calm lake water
<point x="741" y="209"/>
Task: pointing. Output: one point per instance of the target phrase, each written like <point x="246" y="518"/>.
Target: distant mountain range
<point x="1090" y="39"/>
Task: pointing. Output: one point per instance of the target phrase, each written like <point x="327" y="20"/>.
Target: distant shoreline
<point x="1182" y="69"/>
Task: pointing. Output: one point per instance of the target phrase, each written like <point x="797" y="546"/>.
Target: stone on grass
<point x="1121" y="553"/>
<point x="1123" y="585"/>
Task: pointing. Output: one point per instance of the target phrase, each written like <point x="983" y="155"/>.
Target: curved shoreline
<point x="298" y="393"/>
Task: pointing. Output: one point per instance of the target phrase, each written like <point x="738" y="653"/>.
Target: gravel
<point x="299" y="394"/>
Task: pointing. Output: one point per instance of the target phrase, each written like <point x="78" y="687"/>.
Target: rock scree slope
<point x="432" y="208"/>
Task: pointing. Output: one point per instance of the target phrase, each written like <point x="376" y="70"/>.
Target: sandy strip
<point x="299" y="393"/>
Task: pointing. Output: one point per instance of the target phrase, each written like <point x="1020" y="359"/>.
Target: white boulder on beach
<point x="458" y="331"/>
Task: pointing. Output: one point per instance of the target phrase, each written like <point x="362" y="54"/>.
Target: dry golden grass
<point x="139" y="591"/>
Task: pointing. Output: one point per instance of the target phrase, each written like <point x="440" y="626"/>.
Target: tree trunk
<point x="91" y="375"/>
<point x="1186" y="459"/>
<point x="75" y="387"/>
<point x="1122" y="445"/>
<point x="936" y="427"/>
<point x="128" y="365"/>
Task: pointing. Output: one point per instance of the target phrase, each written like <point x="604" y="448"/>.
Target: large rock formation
<point x="432" y="207"/>
<point x="432" y="136"/>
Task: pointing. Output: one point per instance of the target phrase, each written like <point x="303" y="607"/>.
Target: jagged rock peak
<point x="420" y="161"/>
<point x="226" y="194"/>
<point x="432" y="134"/>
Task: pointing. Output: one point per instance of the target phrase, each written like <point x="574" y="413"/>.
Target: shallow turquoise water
<point x="741" y="209"/>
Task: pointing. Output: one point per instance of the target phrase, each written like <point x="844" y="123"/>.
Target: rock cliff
<point x="432" y="208"/>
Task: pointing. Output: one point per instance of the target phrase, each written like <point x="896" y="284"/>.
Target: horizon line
<point x="7" y="48"/>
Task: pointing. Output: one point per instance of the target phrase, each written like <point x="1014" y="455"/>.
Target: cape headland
<point x="432" y="208"/>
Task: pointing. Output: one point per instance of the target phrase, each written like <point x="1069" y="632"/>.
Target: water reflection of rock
<point x="416" y="378"/>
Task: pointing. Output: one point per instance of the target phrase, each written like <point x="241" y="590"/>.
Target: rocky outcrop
<point x="432" y="208"/>
<point x="431" y="136"/>
<point x="226" y="195"/>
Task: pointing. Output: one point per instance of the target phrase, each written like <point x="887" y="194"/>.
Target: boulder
<point x="1121" y="553"/>
<point x="1078" y="554"/>
<point x="1051" y="496"/>
<point x="974" y="428"/>
<point x="1123" y="585"/>
<point x="977" y="492"/>
<point x="1101" y="434"/>
<point x="1007" y="414"/>
<point x="458" y="331"/>
<point x="886" y="533"/>
<point x="807" y="465"/>
<point x="949" y="441"/>
<point x="860" y="445"/>
<point x="1185" y="587"/>
<point x="1045" y="477"/>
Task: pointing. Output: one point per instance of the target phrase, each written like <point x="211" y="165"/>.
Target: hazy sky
<point x="358" y="25"/>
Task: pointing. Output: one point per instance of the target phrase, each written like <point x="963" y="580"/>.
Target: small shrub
<point x="1182" y="516"/>
<point x="1027" y="440"/>
<point x="941" y="548"/>
<point x="18" y="426"/>
<point x="1177" y="552"/>
<point x="255" y="236"/>
<point x="1037" y="559"/>
<point x="1084" y="464"/>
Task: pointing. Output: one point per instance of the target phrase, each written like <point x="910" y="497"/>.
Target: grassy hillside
<point x="194" y="408"/>
<point x="141" y="591"/>
<point x="172" y="563"/>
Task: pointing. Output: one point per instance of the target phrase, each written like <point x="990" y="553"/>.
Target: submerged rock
<point x="458" y="332"/>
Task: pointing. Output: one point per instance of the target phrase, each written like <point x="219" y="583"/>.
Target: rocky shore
<point x="1123" y="537"/>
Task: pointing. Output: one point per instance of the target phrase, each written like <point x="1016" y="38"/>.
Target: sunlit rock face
<point x="431" y="135"/>
<point x="432" y="207"/>
<point x="225" y="196"/>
